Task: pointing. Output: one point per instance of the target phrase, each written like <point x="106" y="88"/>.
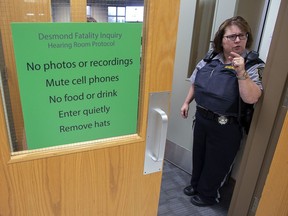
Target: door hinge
<point x="285" y="103"/>
<point x="255" y="204"/>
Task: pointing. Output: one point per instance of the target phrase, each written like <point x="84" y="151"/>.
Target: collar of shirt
<point x="220" y="56"/>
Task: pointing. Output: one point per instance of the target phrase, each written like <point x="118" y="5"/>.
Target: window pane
<point x="121" y="11"/>
<point x="101" y="10"/>
<point x="111" y="19"/>
<point x="111" y="11"/>
<point x="60" y="11"/>
<point x="120" y="19"/>
<point x="134" y="14"/>
<point x="88" y="11"/>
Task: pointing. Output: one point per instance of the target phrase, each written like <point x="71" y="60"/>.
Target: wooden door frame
<point x="264" y="130"/>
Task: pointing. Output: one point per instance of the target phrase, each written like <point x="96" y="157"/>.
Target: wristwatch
<point x="243" y="77"/>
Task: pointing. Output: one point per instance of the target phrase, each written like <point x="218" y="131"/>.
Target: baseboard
<point x="178" y="156"/>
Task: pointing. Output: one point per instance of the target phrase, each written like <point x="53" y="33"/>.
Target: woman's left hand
<point x="249" y="90"/>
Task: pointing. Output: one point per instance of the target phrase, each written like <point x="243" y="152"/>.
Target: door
<point x="101" y="177"/>
<point x="275" y="193"/>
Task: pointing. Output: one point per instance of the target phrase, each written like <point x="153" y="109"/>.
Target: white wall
<point x="180" y="130"/>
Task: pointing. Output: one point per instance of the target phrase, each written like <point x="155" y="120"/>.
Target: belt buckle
<point x="222" y="120"/>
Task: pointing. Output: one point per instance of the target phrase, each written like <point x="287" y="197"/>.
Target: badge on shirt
<point x="222" y="120"/>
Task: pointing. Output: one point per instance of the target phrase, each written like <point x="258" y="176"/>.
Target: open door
<point x="99" y="177"/>
<point x="274" y="196"/>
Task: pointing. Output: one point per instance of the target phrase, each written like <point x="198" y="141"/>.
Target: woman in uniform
<point x="225" y="80"/>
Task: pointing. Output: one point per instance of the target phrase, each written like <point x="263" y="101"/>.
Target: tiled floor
<point x="174" y="202"/>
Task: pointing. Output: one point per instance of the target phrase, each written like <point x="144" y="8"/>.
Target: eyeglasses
<point x="234" y="36"/>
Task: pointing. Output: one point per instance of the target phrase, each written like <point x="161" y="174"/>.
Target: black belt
<point x="221" y="119"/>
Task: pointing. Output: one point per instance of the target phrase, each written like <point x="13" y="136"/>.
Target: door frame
<point x="267" y="122"/>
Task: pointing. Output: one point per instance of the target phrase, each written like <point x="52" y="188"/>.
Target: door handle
<point x="158" y="155"/>
<point x="157" y="126"/>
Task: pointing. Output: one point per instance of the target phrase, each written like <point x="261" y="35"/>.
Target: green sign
<point x="78" y="81"/>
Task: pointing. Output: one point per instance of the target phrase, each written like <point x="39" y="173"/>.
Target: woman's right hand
<point x="185" y="106"/>
<point x="185" y="110"/>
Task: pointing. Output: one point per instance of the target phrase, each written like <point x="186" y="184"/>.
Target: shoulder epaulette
<point x="251" y="59"/>
<point x="210" y="55"/>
